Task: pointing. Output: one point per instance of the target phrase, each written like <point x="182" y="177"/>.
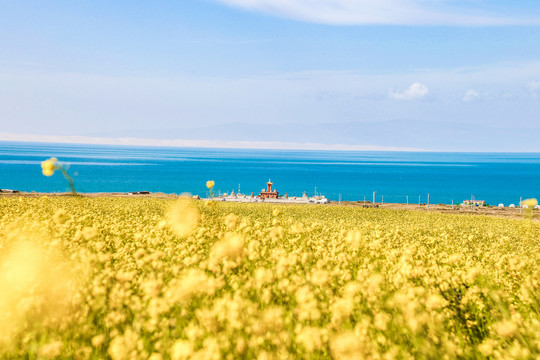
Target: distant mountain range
<point x="398" y="133"/>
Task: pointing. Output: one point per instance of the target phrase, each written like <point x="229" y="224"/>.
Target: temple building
<point x="269" y="193"/>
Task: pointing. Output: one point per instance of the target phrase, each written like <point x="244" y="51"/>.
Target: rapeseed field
<point x="147" y="278"/>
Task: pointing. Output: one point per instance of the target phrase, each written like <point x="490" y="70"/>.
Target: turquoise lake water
<point x="494" y="177"/>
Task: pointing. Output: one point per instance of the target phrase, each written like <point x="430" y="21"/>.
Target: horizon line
<point x="221" y="144"/>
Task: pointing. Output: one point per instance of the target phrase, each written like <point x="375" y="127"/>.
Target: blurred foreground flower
<point x="210" y="185"/>
<point x="183" y="217"/>
<point x="528" y="205"/>
<point x="50" y="165"/>
<point x="39" y="288"/>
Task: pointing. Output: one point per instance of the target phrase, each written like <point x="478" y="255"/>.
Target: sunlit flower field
<point x="147" y="278"/>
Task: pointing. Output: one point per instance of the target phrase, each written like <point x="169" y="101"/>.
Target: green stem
<point x="69" y="179"/>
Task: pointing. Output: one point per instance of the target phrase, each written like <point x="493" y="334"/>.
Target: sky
<point x="451" y="75"/>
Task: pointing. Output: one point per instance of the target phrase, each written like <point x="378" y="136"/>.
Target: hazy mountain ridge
<point x="397" y="133"/>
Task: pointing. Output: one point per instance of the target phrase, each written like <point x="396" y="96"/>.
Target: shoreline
<point x="494" y="211"/>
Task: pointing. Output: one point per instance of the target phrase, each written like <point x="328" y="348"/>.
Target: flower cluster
<point x="210" y="185"/>
<point x="144" y="278"/>
<point x="49" y="166"/>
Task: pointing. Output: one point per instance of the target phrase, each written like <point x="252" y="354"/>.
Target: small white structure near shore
<point x="281" y="200"/>
<point x="473" y="202"/>
<point x="270" y="195"/>
<point x="9" y="191"/>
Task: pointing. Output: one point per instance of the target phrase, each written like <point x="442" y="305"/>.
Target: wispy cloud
<point x="414" y="92"/>
<point x="390" y="12"/>
<point x="533" y="85"/>
<point x="43" y="102"/>
<point x="471" y="95"/>
<point x="534" y="88"/>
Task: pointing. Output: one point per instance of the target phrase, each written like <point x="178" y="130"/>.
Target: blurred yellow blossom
<point x="506" y="328"/>
<point x="183" y="217"/>
<point x="181" y="350"/>
<point x="60" y="216"/>
<point x="51" y="350"/>
<point x="126" y="346"/>
<point x="48" y="166"/>
<point x="210" y="185"/>
<point x="530" y="203"/>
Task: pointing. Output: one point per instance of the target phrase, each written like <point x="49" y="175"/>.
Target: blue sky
<point x="176" y="70"/>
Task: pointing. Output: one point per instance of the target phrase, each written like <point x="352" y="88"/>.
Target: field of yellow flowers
<point x="146" y="278"/>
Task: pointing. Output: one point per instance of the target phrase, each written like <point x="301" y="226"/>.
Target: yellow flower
<point x="51" y="350"/>
<point x="60" y="216"/>
<point x="530" y="203"/>
<point x="182" y="349"/>
<point x="48" y="166"/>
<point x="506" y="328"/>
<point x="183" y="217"/>
<point x="125" y="346"/>
<point x="210" y="184"/>
<point x="435" y="301"/>
<point x="98" y="340"/>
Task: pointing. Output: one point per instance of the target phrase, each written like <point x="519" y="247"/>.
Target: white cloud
<point x="414" y="92"/>
<point x="533" y="85"/>
<point x="508" y="95"/>
<point x="395" y="12"/>
<point x="471" y="95"/>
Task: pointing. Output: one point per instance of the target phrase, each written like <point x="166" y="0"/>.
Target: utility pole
<point x="374" y="197"/>
<point x="315" y="191"/>
<point x="427" y="201"/>
<point x="418" y="199"/>
<point x="472" y="197"/>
